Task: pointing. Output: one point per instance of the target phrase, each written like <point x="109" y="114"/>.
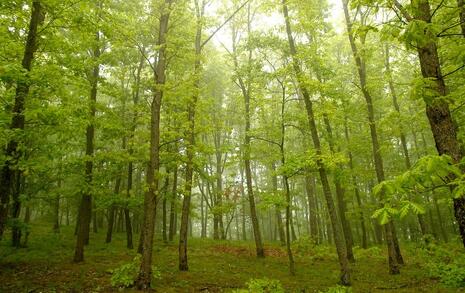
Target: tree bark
<point x="337" y="230"/>
<point x="144" y="277"/>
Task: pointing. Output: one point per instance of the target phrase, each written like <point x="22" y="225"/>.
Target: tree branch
<point x="224" y="23"/>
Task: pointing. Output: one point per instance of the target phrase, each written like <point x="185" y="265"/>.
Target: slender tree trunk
<point x="164" y="211"/>
<point x="288" y="224"/>
<point x="286" y="184"/>
<point x="337" y="230"/>
<point x="135" y="98"/>
<point x="190" y="142"/>
<point x="85" y="208"/>
<point x="348" y="237"/>
<point x="203" y="233"/>
<point x="173" y="200"/>
<point x="10" y="176"/>
<point x="219" y="185"/>
<point x="27" y="220"/>
<point x="356" y="188"/>
<point x="56" y="212"/>
<point x="312" y="209"/>
<point x="243" y="208"/>
<point x="279" y="220"/>
<point x="144" y="277"/>
<point x="112" y="212"/>
<point x="245" y="88"/>
<point x="391" y="239"/>
<point x="441" y="223"/>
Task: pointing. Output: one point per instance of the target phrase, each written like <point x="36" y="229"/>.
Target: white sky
<point x="224" y="35"/>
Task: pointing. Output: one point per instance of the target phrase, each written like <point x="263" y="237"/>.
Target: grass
<point x="215" y="266"/>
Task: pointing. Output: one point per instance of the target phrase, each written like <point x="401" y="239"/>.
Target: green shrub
<point x="444" y="263"/>
<point x="451" y="275"/>
<point x="126" y="274"/>
<point x="303" y="245"/>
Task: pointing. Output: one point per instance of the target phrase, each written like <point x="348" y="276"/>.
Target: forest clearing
<point x="232" y="146"/>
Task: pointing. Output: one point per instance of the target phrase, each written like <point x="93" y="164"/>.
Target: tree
<point x="337" y="231"/>
<point x="10" y="184"/>
<point x="144" y="278"/>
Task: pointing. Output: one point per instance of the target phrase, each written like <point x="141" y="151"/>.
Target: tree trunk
<point x="391" y="238"/>
<point x="356" y="188"/>
<point x="135" y="98"/>
<point x="337" y="230"/>
<point x="219" y="186"/>
<point x="279" y="220"/>
<point x="164" y="211"/>
<point x="144" y="277"/>
<point x="173" y="200"/>
<point x="437" y="108"/>
<point x="56" y="213"/>
<point x="190" y="143"/>
<point x="348" y="237"/>
<point x="85" y="208"/>
<point x="441" y="223"/>
<point x="10" y="175"/>
<point x="312" y="208"/>
<point x="243" y="208"/>
<point x="245" y="88"/>
<point x="288" y="223"/>
<point x="27" y="220"/>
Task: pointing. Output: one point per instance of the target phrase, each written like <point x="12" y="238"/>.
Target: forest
<point x="232" y="146"/>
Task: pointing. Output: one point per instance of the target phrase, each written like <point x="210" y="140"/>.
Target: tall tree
<point x="10" y="179"/>
<point x="437" y="108"/>
<point x="393" y="251"/>
<point x="144" y="277"/>
<point x="335" y="224"/>
<point x="245" y="86"/>
<point x="85" y="206"/>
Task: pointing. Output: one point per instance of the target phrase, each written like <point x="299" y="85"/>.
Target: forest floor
<point x="215" y="266"/>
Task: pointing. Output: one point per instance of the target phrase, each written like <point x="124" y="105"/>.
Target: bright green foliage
<point x="428" y="174"/>
<point x="125" y="275"/>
